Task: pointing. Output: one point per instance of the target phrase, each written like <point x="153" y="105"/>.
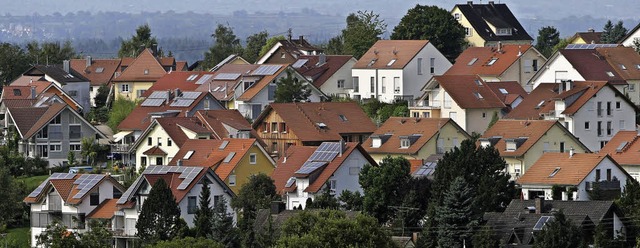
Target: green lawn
<point x="18" y="237"/>
<point x="33" y="182"/>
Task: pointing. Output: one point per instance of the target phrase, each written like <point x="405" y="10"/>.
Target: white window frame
<point x="232" y="180"/>
<point x="124" y="88"/>
<point x="253" y="158"/>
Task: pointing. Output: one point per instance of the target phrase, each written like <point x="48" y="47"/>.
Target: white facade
<point x="628" y="42"/>
<point x="389" y="84"/>
<point x="556" y="69"/>
<point x="340" y="83"/>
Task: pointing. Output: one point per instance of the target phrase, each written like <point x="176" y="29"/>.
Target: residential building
<point x="632" y="36"/>
<point x="231" y="59"/>
<point x="287" y="51"/>
<point x="522" y="142"/>
<point x="308" y="171"/>
<point x="626" y="62"/>
<point x="579" y="174"/>
<point x="227" y="123"/>
<point x="396" y="70"/>
<point x="185" y="182"/>
<point x="69" y="80"/>
<point x="502" y="63"/>
<point x="99" y="72"/>
<point x="468" y="100"/>
<point x="70" y="198"/>
<point x="50" y="131"/>
<point x="220" y="83"/>
<point x="233" y="160"/>
<point x="623" y="148"/>
<point x="282" y="125"/>
<point x="329" y="73"/>
<point x="489" y="24"/>
<point x="589" y="37"/>
<point x="522" y="220"/>
<point x="414" y="138"/>
<point x="593" y="111"/>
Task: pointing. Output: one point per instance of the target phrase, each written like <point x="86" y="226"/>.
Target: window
<point x="159" y="141"/>
<point x="207" y="103"/>
<point x="373" y="85"/>
<point x="94" y="198"/>
<point x="492" y="61"/>
<point x="265" y="127"/>
<point x="391" y="62"/>
<point x="603" y="143"/>
<point x="472" y="61"/>
<point x="143" y="161"/>
<point x="192" y="205"/>
<point x="73" y="93"/>
<point x="535" y="65"/>
<point x="332" y="186"/>
<point x="610" y="74"/>
<point x="477" y="94"/>
<point x="555" y="171"/>
<point x="149" y="141"/>
<point x="232" y="180"/>
<point x="432" y="65"/>
<point x="599" y="128"/>
<point x="396" y="85"/>
<point x="124" y="88"/>
<point x="587" y="125"/>
<point x="356" y="84"/>
<point x="75" y="147"/>
<point x="609" y="128"/>
<point x="55" y="132"/>
<point x="43" y="133"/>
<point x="609" y="112"/>
<point x="340" y="83"/>
<point x="511" y="145"/>
<point x="503" y="91"/>
<point x="283" y="55"/>
<point x="55" y="120"/>
<point x="55" y="147"/>
<point x="146" y="71"/>
<point x="283" y="127"/>
<point x="618" y="105"/>
<point x="384" y="85"/>
<point x="75" y="132"/>
<point x="561" y="146"/>
<point x="342" y="117"/>
<point x="159" y="161"/>
<point x="169" y="142"/>
<point x="632" y="87"/>
<point x="354" y="170"/>
<point x="271" y="94"/>
<point x="252" y="158"/>
<point x="468" y="31"/>
<point x="216" y="199"/>
<point x="599" y="109"/>
<point x="484" y="115"/>
<point x="419" y="66"/>
<point x="456" y="16"/>
<point x="116" y="193"/>
<point x="597" y="175"/>
<point x="503" y="31"/>
<point x="17" y="92"/>
<point x="404" y="143"/>
<point x="622" y="127"/>
<point x="274" y="127"/>
<point x="608" y="174"/>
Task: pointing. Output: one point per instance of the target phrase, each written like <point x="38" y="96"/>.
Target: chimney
<point x="178" y="92"/>
<point x="491" y="2"/>
<point x="591" y="30"/>
<point x="225" y="89"/>
<point x="500" y="46"/>
<point x="277" y="207"/>
<point x="519" y="51"/>
<point x="301" y="39"/>
<point x="342" y="146"/>
<point x="33" y="92"/>
<point x="179" y="162"/>
<point x="571" y="152"/>
<point x="65" y="66"/>
<point x="470" y="3"/>
<point x="168" y="97"/>
<point x="186" y="113"/>
<point x="539" y="205"/>
<point x="89" y="61"/>
<point x="414" y="237"/>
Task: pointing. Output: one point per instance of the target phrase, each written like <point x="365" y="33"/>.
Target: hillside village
<point x="502" y="144"/>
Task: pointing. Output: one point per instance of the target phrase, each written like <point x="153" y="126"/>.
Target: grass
<point x="17" y="237"/>
<point x="33" y="182"/>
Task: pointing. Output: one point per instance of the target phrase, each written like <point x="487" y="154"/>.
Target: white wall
<point x="344" y="73"/>
<point x="548" y="71"/>
<point x="603" y="166"/>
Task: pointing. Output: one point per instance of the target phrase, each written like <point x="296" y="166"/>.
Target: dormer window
<point x="17" y="92"/>
<point x="404" y="142"/>
<point x="376" y="142"/>
<point x="511" y="145"/>
<point x="503" y="31"/>
<point x="492" y="61"/>
<point x="456" y="16"/>
<point x="485" y="143"/>
<point x="478" y="95"/>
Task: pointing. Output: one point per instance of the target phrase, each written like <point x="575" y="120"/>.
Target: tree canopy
<point x="613" y="34"/>
<point x="204" y="213"/>
<point x="363" y="30"/>
<point x="13" y="62"/>
<point x="225" y="44"/>
<point x="434" y="24"/>
<point x="548" y="38"/>
<point x="559" y="232"/>
<point x="255" y="42"/>
<point x="138" y="42"/>
<point x="256" y="194"/>
<point x="188" y="242"/>
<point x="454" y="215"/>
<point x="50" y="53"/>
<point x="159" y="219"/>
<point x="269" y="44"/>
<point x="291" y="89"/>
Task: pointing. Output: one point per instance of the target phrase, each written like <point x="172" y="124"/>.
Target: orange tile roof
<point x="589" y="37"/>
<point x="105" y="210"/>
<point x="463" y="89"/>
<point x="591" y="64"/>
<point x="145" y="62"/>
<point x="216" y="120"/>
<point x="99" y="72"/>
<point x="532" y="130"/>
<point x="302" y="119"/>
<point x="173" y="127"/>
<point x="528" y="108"/>
<point x="573" y="170"/>
<point x="423" y="128"/>
<point x="619" y="57"/>
<point x="201" y="148"/>
<point x="482" y="56"/>
<point x="513" y="91"/>
<point x="629" y="154"/>
<point x="383" y="51"/>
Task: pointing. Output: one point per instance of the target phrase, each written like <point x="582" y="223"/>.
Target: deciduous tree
<point x="50" y="53"/>
<point x="384" y="186"/>
<point x="291" y="89"/>
<point x="159" y="219"/>
<point x="98" y="235"/>
<point x="548" y="38"/>
<point x="256" y="194"/>
<point x="363" y="30"/>
<point x="138" y="42"/>
<point x="225" y="44"/>
<point x="188" y="242"/>
<point x="269" y="44"/>
<point x="255" y="42"/>
<point x="13" y="62"/>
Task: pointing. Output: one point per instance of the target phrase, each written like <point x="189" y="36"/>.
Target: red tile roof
<point x="99" y="72"/>
<point x="173" y="127"/>
<point x="145" y="62"/>
<point x="383" y="51"/>
<point x="507" y="91"/>
<point x="530" y="107"/>
<point x="592" y="65"/>
<point x="482" y="56"/>
<point x="201" y="148"/>
<point x="303" y="119"/>
<point x="532" y="130"/>
<point x="624" y="147"/>
<point x="105" y="210"/>
<point x="155" y="151"/>
<point x="320" y="73"/>
<point x="573" y="170"/>
<point x="469" y="91"/>
<point x="624" y="60"/>
<point x="590" y="37"/>
<point x="216" y="120"/>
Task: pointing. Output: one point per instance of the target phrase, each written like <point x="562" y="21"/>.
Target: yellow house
<point x="159" y="143"/>
<point x="522" y="142"/>
<point x="138" y="76"/>
<point x="414" y="138"/>
<point x="233" y="160"/>
<point x="589" y="37"/>
<point x="488" y="24"/>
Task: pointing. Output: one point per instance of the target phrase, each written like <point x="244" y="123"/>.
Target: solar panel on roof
<point x="62" y="176"/>
<point x="191" y="94"/>
<point x="127" y="194"/>
<point x="541" y="222"/>
<point x="299" y="63"/>
<point x="265" y="70"/>
<point x="39" y="189"/>
<point x="158" y="94"/>
<point x="85" y="183"/>
<point x="589" y="46"/>
<point x="152" y="102"/>
<point x="226" y="76"/>
<point x="309" y="167"/>
<point x="181" y="102"/>
<point x="204" y="79"/>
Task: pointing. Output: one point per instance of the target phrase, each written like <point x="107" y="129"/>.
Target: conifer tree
<point x="159" y="219"/>
<point x="202" y="219"/>
<point x="559" y="232"/>
<point x="454" y="215"/>
<point x="222" y="229"/>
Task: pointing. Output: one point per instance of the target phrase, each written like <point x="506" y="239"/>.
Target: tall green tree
<point x="434" y="24"/>
<point x="101" y="97"/>
<point x="558" y="233"/>
<point x="222" y="229"/>
<point x="204" y="214"/>
<point x="548" y="38"/>
<point x="225" y="44"/>
<point x="11" y="204"/>
<point x="291" y="89"/>
<point x="454" y="215"/>
<point x="384" y="186"/>
<point x="363" y="30"/>
<point x="256" y="194"/>
<point x="612" y="34"/>
<point x="121" y="108"/>
<point x="98" y="236"/>
<point x="13" y="62"/>
<point x="269" y="44"/>
<point x="159" y="219"/>
<point x="50" y="53"/>
<point x="351" y="200"/>
<point x="486" y="237"/>
<point x="629" y="203"/>
<point x="255" y="42"/>
<point x="138" y="42"/>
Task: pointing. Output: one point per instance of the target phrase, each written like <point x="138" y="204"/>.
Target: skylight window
<point x="478" y="95"/>
<point x="638" y="66"/>
<point x="623" y="67"/>
<point x="492" y="61"/>
<point x="540" y="104"/>
<point x="192" y="77"/>
<point x="373" y="61"/>
<point x="343" y="118"/>
<point x="99" y="69"/>
<point x="391" y="62"/>
<point x="217" y="88"/>
<point x="503" y="91"/>
<point x="555" y="171"/>
<point x="610" y="74"/>
<point x="473" y="60"/>
<point x="478" y="82"/>
<point x="188" y="155"/>
<point x="321" y="125"/>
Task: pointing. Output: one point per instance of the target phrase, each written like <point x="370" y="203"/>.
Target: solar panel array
<point x="191" y="94"/>
<point x="425" y="170"/>
<point x="152" y="102"/>
<point x="188" y="174"/>
<point x="299" y="63"/>
<point x="40" y="187"/>
<point x="266" y="70"/>
<point x="589" y="46"/>
<point x="226" y="76"/>
<point x="324" y="154"/>
<point x="158" y="94"/>
<point x="85" y="183"/>
<point x="181" y="102"/>
<point x="204" y="79"/>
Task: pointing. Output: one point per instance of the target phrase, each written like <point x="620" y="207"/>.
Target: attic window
<point x="404" y="142"/>
<point x="623" y="67"/>
<point x="638" y="66"/>
<point x="376" y="142"/>
<point x="555" y="171"/>
<point x="511" y="145"/>
<point x="321" y="125"/>
<point x="540" y="104"/>
<point x="391" y="62"/>
<point x="503" y="31"/>
<point x="192" y="77"/>
<point x="99" y="69"/>
<point x="478" y="95"/>
<point x="373" y="61"/>
<point x="343" y="118"/>
<point x="503" y="91"/>
<point x="188" y="155"/>
<point x="146" y="71"/>
<point x="478" y="82"/>
<point x="610" y="74"/>
<point x="492" y="61"/>
<point x="473" y="60"/>
<point x="17" y="92"/>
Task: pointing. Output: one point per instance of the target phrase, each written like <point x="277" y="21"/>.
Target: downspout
<point x="376" y="85"/>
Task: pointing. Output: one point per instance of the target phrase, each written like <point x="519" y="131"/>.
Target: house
<point x="185" y="182"/>
<point x="522" y="142"/>
<point x="414" y="138"/>
<point x="308" y="171"/>
<point x="159" y="143"/>
<point x="589" y="37"/>
<point x="396" y="69"/>
<point x="626" y="63"/>
<point x="138" y="75"/>
<point x="593" y="111"/>
<point x="69" y="80"/>
<point x="233" y="160"/>
<point x="579" y="63"/>
<point x="490" y="24"/>
<point x="579" y="174"/>
<point x="522" y="220"/>
<point x="220" y="84"/>
<point x="227" y="123"/>
<point x="623" y="148"/>
<point x="329" y="73"/>
<point x="502" y="63"/>
<point x="50" y="131"/>
<point x="231" y="59"/>
<point x="70" y="198"/>
<point x="157" y="105"/>
<point x="468" y="100"/>
<point x="282" y="125"/>
<point x="288" y="51"/>
<point x="99" y="72"/>
<point x="632" y="37"/>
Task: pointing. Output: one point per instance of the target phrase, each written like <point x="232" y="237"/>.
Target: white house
<point x="185" y="183"/>
<point x="308" y="171"/>
<point x="396" y="69"/>
<point x="70" y="198"/>
<point x="329" y="73"/>
<point x="577" y="174"/>
<point x="632" y="35"/>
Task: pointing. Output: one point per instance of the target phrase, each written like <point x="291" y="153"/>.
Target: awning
<point x="120" y="135"/>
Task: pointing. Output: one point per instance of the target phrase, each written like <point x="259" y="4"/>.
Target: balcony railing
<point x="424" y="105"/>
<point x="604" y="185"/>
<point x="124" y="232"/>
<point x="120" y="148"/>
